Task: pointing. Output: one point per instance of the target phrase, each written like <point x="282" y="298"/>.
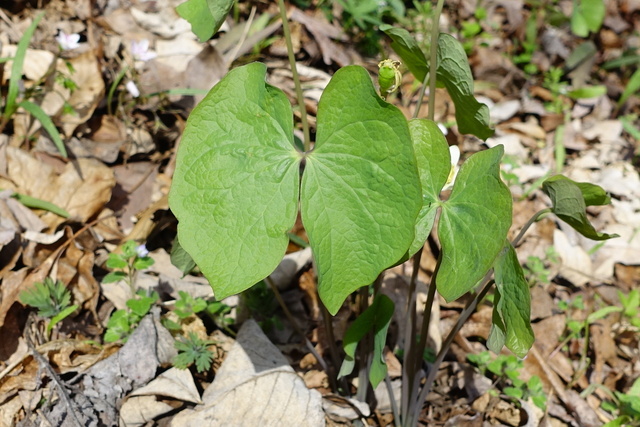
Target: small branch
<point x="296" y="77"/>
<point x="44" y="364"/>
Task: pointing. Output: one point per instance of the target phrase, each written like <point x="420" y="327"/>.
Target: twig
<point x="297" y="328"/>
<point x="44" y="364"/>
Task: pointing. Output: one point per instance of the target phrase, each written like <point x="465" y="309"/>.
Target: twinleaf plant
<point x="369" y="192"/>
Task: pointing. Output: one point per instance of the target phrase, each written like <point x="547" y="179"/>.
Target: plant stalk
<point x="529" y="223"/>
<point x="433" y="371"/>
<point x="408" y="363"/>
<point x="285" y="309"/>
<point x="433" y="66"/>
<point x="296" y="77"/>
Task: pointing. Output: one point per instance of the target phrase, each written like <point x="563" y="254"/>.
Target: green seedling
<point x="506" y="373"/>
<point x="631" y="307"/>
<point x="219" y="311"/>
<point x="366" y="16"/>
<point x="587" y="16"/>
<point x="122" y="322"/>
<point x="368" y="194"/>
<point x="193" y="350"/>
<point x="187" y="305"/>
<point x="12" y="104"/>
<point x="262" y="304"/>
<point x="625" y="407"/>
<point x="536" y="269"/>
<point x="52" y="299"/>
<point x="132" y="258"/>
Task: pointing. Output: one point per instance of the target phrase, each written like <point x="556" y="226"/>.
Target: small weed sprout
<point x="506" y="372"/>
<point x="193" y="350"/>
<point x="52" y="299"/>
<point x="122" y="322"/>
<point x="133" y="258"/>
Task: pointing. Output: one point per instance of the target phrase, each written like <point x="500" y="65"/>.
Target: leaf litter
<point x="116" y="185"/>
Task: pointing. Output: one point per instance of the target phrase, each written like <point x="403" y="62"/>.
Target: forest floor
<point x="118" y="95"/>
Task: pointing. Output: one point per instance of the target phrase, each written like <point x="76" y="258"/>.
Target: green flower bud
<point x="389" y="76"/>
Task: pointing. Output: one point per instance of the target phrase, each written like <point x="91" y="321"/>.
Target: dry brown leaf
<point x="88" y="93"/>
<point x="255" y="386"/>
<point x="174" y="383"/>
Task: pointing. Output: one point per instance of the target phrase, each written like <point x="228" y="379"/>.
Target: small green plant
<point x="122" y="322"/>
<point x="506" y="371"/>
<point x="536" y="269"/>
<point x="472" y="31"/>
<point x="366" y="16"/>
<point x="52" y="299"/>
<point x="133" y="257"/>
<point x="262" y="304"/>
<point x="625" y="407"/>
<point x="187" y="305"/>
<point x="219" y="311"/>
<point x="368" y="191"/>
<point x="12" y="103"/>
<point x="192" y="349"/>
<point x="529" y="46"/>
<point x="631" y="307"/>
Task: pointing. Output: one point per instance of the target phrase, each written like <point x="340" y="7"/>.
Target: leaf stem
<point x="529" y="223"/>
<point x="433" y="369"/>
<point x="299" y="331"/>
<point x="296" y="77"/>
<point x="433" y="66"/>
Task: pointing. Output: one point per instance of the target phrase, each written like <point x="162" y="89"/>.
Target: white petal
<point x="454" y="152"/>
<point x="132" y="89"/>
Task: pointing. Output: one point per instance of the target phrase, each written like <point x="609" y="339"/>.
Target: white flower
<point x="142" y="251"/>
<point x="454" y="152"/>
<point x="68" y="41"/>
<point x="443" y="129"/>
<point x="132" y="89"/>
<point x="140" y="50"/>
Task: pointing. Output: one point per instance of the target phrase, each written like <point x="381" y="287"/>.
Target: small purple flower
<point x="132" y="89"/>
<point x="68" y="41"/>
<point x="140" y="50"/>
<point x="142" y="251"/>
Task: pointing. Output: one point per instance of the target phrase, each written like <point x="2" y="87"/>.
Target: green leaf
<point x="47" y="123"/>
<point x="16" y="68"/>
<point x="408" y="49"/>
<point x="473" y="224"/>
<point x="61" y="316"/>
<point x="115" y="261"/>
<point x="376" y="317"/>
<point x="235" y="188"/>
<point x="32" y="202"/>
<point x="602" y="313"/>
<point x="579" y="25"/>
<point x="587" y="92"/>
<point x="181" y="258"/>
<point x="570" y="200"/>
<point x="633" y="85"/>
<point x="454" y="71"/>
<point x="512" y="305"/>
<point x="143" y="262"/>
<point x="140" y="307"/>
<point x="114" y="276"/>
<point x="594" y="12"/>
<point x="434" y="165"/>
<point x="360" y="192"/>
<point x="205" y="16"/>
